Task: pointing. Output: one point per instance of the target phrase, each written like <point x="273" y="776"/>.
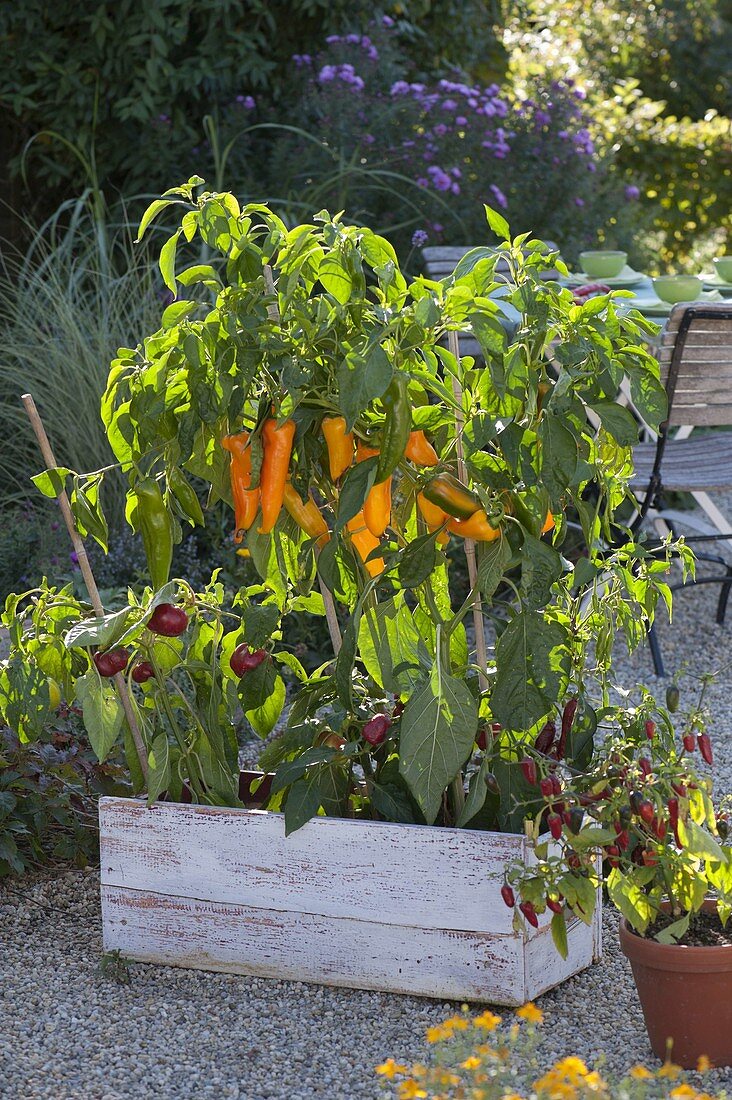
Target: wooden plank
<point x="238" y="939"/>
<point x="545" y="967"/>
<point x="398" y="874"/>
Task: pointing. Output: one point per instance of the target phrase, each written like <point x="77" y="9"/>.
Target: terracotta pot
<point x="686" y="996"/>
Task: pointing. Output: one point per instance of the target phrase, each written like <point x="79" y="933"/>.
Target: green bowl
<point x="723" y="264"/>
<point x="603" y="265"/>
<point x="677" y="288"/>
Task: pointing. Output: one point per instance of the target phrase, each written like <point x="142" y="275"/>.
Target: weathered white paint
<point x="369" y="905"/>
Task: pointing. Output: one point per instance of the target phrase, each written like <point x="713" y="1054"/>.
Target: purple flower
<point x="461" y="120"/>
<point x="400" y="88"/>
<point x="632" y="192"/>
<point x="579" y="202"/>
<point x="368" y="139"/>
<point x="74" y="557"/>
<point x="246" y="101"/>
<point x="436" y="227"/>
<point x="422" y="182"/>
<point x="326" y="74"/>
<point x="499" y="196"/>
<point x="387" y="21"/>
<point x="439" y="178"/>
<point x="449" y="105"/>
<point x="440" y="129"/>
<point x="332" y="38"/>
<point x="302" y="59"/>
<point x="419" y="237"/>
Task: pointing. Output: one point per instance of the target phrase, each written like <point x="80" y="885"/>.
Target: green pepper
<point x="186" y="496"/>
<point x="156" y="527"/>
<point x="397" y="427"/>
<point x="452" y="496"/>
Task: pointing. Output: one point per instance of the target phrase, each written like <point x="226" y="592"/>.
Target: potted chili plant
<point x="309" y="386"/>
<point x="667" y="867"/>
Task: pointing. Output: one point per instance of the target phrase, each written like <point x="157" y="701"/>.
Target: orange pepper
<point x="420" y="451"/>
<point x="306" y="515"/>
<point x="377" y="508"/>
<point x="365" y="543"/>
<point x="339" y="443"/>
<point x="246" y="499"/>
<point x="434" y="517"/>
<point x="548" y="523"/>
<point x="477" y="527"/>
<point x="277" y="443"/>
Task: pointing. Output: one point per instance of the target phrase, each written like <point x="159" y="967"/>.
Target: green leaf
<point x="649" y="397"/>
<point x="492" y="563"/>
<point x="52" y="481"/>
<point x="674" y="932"/>
<point x="559" y="933"/>
<point x="618" y="421"/>
<point x="498" y="223"/>
<point x="262" y="695"/>
<point x="335" y="277"/>
<point x="167" y="260"/>
<point x="630" y="899"/>
<point x="389" y="644"/>
<point x="343" y="676"/>
<point x="477" y="794"/>
<point x="355" y="488"/>
<point x="99" y="632"/>
<point x="392" y="802"/>
<point x="559" y="455"/>
<point x="102" y="712"/>
<point x="417" y="561"/>
<point x="259" y="622"/>
<point x="158" y="764"/>
<point x="532" y="669"/>
<point x="698" y="842"/>
<point x="152" y="212"/>
<point x="541" y="568"/>
<point x="361" y="380"/>
<point x="438" y="729"/>
<point x="303" y="802"/>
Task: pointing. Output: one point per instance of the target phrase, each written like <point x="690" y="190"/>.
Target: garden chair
<point x="695" y="356"/>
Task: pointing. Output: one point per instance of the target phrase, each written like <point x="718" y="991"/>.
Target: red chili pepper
<point x="650" y="858"/>
<point x="555" y="906"/>
<point x="623" y="839"/>
<point x="613" y="854"/>
<point x="554" y="822"/>
<point x="508" y="895"/>
<point x="546" y="787"/>
<point x="545" y="738"/>
<point x="482" y="740"/>
<point x="673" y="811"/>
<point x="573" y="861"/>
<point x="659" y="827"/>
<point x="689" y="742"/>
<point x="528" y="767"/>
<point x="556" y="785"/>
<point x="529" y="912"/>
<point x="646" y="811"/>
<point x="650" y="729"/>
<point x="244" y="659"/>
<point x="645" y="765"/>
<point x="680" y="789"/>
<point x="705" y="748"/>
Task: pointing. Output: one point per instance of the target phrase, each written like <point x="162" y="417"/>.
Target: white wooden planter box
<point x="370" y="905"/>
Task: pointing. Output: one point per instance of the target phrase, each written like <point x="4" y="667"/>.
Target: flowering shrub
<point x="405" y="153"/>
<point x="476" y="1058"/>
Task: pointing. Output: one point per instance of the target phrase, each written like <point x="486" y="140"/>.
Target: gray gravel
<point x="67" y="1033"/>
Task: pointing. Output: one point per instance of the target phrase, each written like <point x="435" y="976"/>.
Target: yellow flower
<point x="390" y="1068"/>
<point x="410" y="1090"/>
<point x="670" y="1070"/>
<point x="683" y="1092"/>
<point x="437" y="1033"/>
<point x="487" y="1021"/>
<point x="573" y="1068"/>
<point x="513" y="1096"/>
<point x="594" y="1082"/>
<point x="456" y="1023"/>
<point x="470" y="1063"/>
<point x="444" y="1077"/>
<point x="530" y="1013"/>
<point x="703" y="1064"/>
<point x="640" y="1073"/>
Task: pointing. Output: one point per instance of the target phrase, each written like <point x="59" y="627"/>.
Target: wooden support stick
<point x="331" y="615"/>
<point x="480" y="643"/>
<point x="86" y="572"/>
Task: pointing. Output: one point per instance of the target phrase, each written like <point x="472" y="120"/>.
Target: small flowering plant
<point x="481" y="1057"/>
<point x="644" y="809"/>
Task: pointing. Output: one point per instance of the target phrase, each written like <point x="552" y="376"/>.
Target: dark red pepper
<point x="244" y="659"/>
<point x="556" y="785"/>
<point x="646" y="811"/>
<point x="376" y="729"/>
<point x="142" y="672"/>
<point x="613" y="854"/>
<point x="554" y="822"/>
<point x="508" y="895"/>
<point x="168" y="620"/>
<point x="482" y="739"/>
<point x="554" y="906"/>
<point x="528" y="767"/>
<point x="650" y="729"/>
<point x="689" y="742"/>
<point x="545" y="738"/>
<point x="673" y="810"/>
<point x="546" y="787"/>
<point x="645" y="765"/>
<point x="111" y="662"/>
<point x="705" y="748"/>
<point x="529" y="912"/>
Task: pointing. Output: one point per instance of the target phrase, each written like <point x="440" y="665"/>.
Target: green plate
<point x="627" y="279"/>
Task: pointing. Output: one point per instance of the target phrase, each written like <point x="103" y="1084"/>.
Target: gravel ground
<point x="68" y="1033"/>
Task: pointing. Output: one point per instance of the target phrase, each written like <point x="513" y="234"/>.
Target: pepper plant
<point x="303" y="379"/>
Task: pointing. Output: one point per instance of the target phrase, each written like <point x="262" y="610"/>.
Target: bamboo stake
<point x="480" y="643"/>
<point x="86" y="572"/>
<point x="331" y="616"/>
